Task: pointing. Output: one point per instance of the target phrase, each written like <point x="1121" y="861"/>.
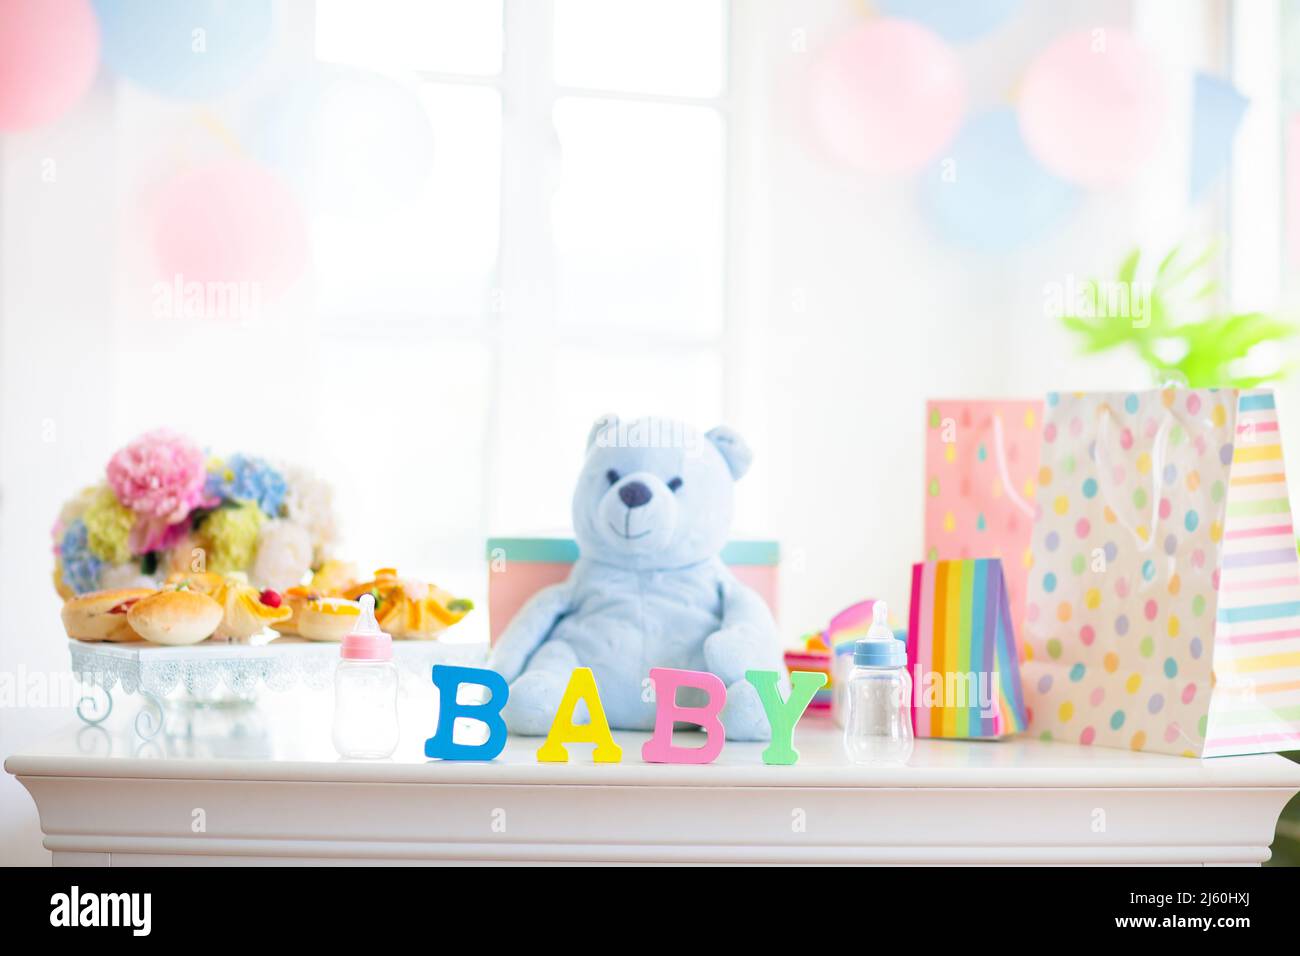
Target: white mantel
<point x="269" y="789"/>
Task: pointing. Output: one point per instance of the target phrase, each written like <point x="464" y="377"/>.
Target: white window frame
<point x="1255" y="207"/>
<point x="1239" y="40"/>
<point x="520" y="326"/>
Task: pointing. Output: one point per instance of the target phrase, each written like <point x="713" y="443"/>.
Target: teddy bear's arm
<point x="742" y="605"/>
<point x="529" y="629"/>
<point x="747" y="638"/>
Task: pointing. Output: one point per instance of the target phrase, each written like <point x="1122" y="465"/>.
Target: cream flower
<point x="310" y="504"/>
<point x="284" y="556"/>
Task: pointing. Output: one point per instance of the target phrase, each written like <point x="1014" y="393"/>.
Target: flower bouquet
<point x="165" y="507"/>
<point x="176" y="547"/>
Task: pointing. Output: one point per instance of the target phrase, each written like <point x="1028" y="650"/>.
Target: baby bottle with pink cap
<point x="365" y="690"/>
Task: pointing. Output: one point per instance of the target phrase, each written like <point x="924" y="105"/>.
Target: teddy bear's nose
<point x="635" y="494"/>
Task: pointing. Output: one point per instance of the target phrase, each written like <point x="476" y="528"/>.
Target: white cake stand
<point x="226" y="674"/>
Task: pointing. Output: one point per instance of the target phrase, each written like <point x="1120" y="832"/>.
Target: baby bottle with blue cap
<point x="878" y="726"/>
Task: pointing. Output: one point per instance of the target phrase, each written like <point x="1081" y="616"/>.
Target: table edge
<point x="1264" y="773"/>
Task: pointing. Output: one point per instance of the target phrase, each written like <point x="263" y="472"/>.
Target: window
<point x="1290" y="117"/>
<point x="568" y="246"/>
<point x="1255" y="201"/>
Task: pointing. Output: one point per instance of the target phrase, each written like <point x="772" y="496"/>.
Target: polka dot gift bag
<point x="1163" y="608"/>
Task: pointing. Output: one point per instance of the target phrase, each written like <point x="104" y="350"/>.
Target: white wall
<point x="55" y="402"/>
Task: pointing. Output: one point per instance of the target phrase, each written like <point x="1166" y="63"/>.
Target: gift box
<point x="520" y="567"/>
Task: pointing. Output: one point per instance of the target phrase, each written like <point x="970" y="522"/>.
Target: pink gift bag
<point x="981" y="474"/>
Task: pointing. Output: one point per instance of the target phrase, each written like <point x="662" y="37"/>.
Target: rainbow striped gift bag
<point x="961" y="649"/>
<point x="1163" y="611"/>
<point x="1255" y="707"/>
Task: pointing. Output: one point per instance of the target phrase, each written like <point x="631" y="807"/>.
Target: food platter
<point x="217" y="673"/>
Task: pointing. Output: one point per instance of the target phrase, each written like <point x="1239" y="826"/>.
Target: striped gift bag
<point x="962" y="651"/>
<point x="1163" y="610"/>
<point x="1256" y="702"/>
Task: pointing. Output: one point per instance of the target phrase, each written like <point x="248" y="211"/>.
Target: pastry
<point x="318" y="617"/>
<point x="411" y="609"/>
<point x="205" y="582"/>
<point x="334" y="577"/>
<point x="175" y="616"/>
<point x="247" y="611"/>
<point x="60" y="585"/>
<point x="102" y="615"/>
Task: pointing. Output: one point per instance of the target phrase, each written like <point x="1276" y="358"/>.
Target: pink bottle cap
<point x="366" y="642"/>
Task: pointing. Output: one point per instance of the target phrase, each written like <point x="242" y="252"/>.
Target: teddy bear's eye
<point x="675" y="484"/>
<point x="613" y="476"/>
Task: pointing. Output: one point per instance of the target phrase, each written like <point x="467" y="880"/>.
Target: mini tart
<point x="244" y="614"/>
<point x="102" y="615"/>
<point x="333" y="577"/>
<point x="176" y="617"/>
<point x="420" y="619"/>
<point x="408" y="609"/>
<point x="205" y="582"/>
<point x="318" y="617"/>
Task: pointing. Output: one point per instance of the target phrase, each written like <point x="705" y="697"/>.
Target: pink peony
<point x="154" y="534"/>
<point x="160" y="477"/>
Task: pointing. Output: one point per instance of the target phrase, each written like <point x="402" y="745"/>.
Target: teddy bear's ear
<point x="733" y="448"/>
<point x="602" y="424"/>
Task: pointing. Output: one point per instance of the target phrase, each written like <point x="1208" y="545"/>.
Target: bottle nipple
<point x="366" y="623"/>
<point x="880" y="629"/>
<point x="880" y="648"/>
<point x="366" y="642"/>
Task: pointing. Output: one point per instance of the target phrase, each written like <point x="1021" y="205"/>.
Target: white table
<point x="266" y="787"/>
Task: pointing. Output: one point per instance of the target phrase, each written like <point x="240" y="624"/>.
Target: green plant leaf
<point x="1211" y="342"/>
<point x="1195" y="265"/>
<point x="1168" y="260"/>
<point x="1128" y="268"/>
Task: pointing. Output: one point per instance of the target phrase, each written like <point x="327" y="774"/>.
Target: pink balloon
<point x="230" y="222"/>
<point x="887" y="96"/>
<point x="1091" y="107"/>
<point x="49" y="52"/>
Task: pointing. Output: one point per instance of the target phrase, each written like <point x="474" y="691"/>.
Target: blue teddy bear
<point x="651" y="513"/>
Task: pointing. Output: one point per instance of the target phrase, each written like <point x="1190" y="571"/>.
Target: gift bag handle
<point x="1004" y="473"/>
<point x="1157" y="469"/>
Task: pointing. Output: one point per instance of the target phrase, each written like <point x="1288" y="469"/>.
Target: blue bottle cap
<point x="890" y="653"/>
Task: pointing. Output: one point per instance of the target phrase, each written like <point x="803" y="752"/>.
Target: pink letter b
<point x="660" y="748"/>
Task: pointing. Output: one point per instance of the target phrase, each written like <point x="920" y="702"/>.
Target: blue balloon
<point x="354" y="142"/>
<point x="189" y="49"/>
<point x="952" y="19"/>
<point x="988" y="192"/>
<point x="1217" y="109"/>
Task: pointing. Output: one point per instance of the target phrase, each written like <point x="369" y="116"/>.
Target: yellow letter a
<point x="582" y="686"/>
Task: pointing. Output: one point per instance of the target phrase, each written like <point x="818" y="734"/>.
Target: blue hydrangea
<point x="81" y="569"/>
<point x="245" y="478"/>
